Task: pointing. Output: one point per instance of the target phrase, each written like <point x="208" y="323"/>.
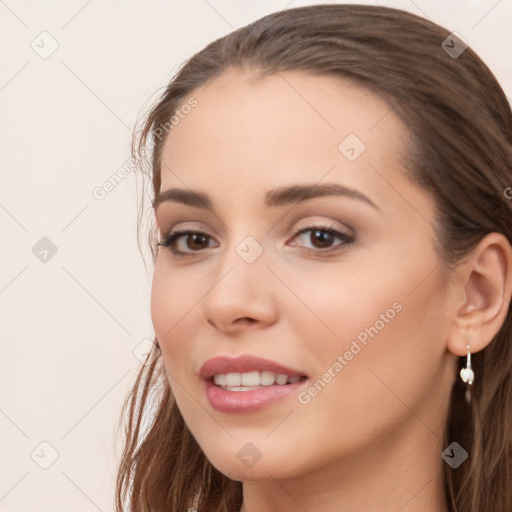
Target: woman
<point x="332" y="274"/>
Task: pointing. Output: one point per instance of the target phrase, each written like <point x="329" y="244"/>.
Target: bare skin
<point x="371" y="439"/>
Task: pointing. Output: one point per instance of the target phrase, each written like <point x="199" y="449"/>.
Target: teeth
<point x="220" y="379"/>
<point x="251" y="379"/>
<point x="281" y="379"/>
<point x="267" y="378"/>
<point x="233" y="379"/>
<point x="248" y="380"/>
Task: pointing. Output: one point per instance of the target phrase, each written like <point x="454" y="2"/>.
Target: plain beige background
<point x="73" y="77"/>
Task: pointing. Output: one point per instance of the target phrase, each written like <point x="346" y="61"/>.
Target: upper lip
<point x="242" y="364"/>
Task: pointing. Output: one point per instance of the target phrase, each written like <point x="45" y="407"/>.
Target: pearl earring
<point x="467" y="375"/>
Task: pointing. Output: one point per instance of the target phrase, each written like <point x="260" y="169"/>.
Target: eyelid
<point x="169" y="241"/>
<point x="192" y="226"/>
<point x="320" y="221"/>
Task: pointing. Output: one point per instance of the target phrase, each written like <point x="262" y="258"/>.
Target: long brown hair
<point x="461" y="153"/>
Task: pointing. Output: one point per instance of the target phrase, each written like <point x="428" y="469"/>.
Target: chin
<point x="243" y="460"/>
<point x="261" y="470"/>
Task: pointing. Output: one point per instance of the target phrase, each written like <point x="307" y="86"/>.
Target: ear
<point x="481" y="291"/>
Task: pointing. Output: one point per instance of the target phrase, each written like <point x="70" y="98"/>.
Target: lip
<point x="246" y="401"/>
<point x="243" y="363"/>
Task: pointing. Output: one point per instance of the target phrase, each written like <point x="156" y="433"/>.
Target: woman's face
<point x="354" y="317"/>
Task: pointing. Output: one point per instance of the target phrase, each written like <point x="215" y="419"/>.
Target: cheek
<point x="380" y="321"/>
<point x="384" y="355"/>
<point x="173" y="295"/>
<point x="172" y="300"/>
<point x="169" y="307"/>
<point x="339" y="306"/>
<point x="163" y="304"/>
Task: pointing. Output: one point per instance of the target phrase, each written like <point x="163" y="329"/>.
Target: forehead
<point x="282" y="128"/>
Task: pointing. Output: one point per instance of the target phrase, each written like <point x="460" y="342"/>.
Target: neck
<point x="402" y="471"/>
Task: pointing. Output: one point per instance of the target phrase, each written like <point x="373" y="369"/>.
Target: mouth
<point x="248" y="383"/>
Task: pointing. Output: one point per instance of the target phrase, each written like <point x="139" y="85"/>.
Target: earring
<point x="467" y="375"/>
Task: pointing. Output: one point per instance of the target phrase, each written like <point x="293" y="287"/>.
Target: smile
<point x="252" y="380"/>
<point x="247" y="383"/>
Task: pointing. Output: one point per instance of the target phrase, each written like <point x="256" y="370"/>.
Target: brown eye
<point x="323" y="239"/>
<point x="196" y="241"/>
<point x="186" y="242"/>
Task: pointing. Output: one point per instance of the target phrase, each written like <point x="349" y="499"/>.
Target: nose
<point x="242" y="296"/>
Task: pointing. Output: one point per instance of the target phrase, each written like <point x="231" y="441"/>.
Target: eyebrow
<point x="277" y="197"/>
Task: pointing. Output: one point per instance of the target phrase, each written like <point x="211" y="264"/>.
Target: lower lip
<point x="248" y="401"/>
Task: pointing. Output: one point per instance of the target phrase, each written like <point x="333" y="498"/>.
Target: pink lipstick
<point x="247" y="383"/>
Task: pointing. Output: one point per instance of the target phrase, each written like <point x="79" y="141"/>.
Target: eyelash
<point x="171" y="239"/>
